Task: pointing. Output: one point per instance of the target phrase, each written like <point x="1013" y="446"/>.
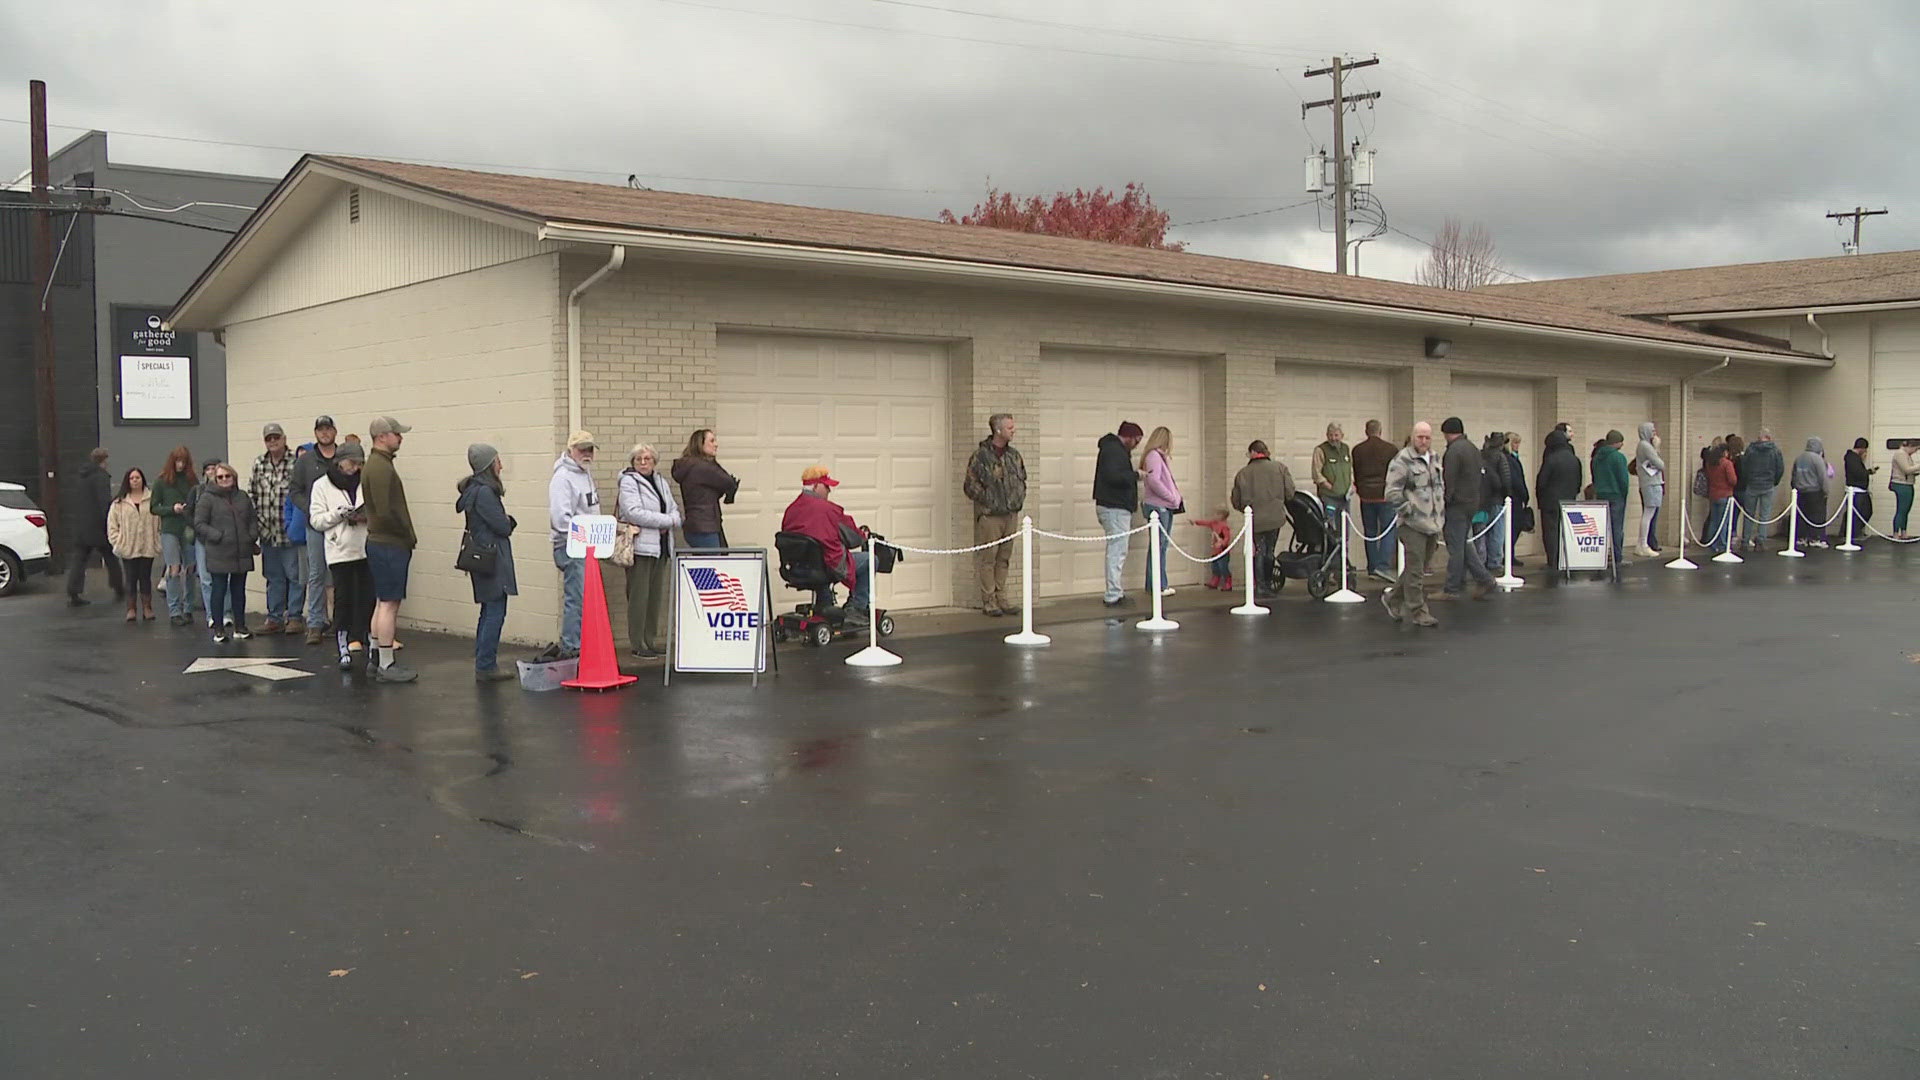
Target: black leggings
<point x="139" y="576"/>
<point x="352" y="600"/>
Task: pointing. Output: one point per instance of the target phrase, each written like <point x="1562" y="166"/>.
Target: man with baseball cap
<point x="314" y="460"/>
<point x="390" y="544"/>
<point x="571" y="492"/>
<point x="267" y="486"/>
<point x="814" y="513"/>
<point x="1116" y="495"/>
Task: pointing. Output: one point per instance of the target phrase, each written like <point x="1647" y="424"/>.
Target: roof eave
<point x="669" y="243"/>
<point x="1792" y="311"/>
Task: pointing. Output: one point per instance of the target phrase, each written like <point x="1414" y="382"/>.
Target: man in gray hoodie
<point x="571" y="492"/>
<point x="1810" y="475"/>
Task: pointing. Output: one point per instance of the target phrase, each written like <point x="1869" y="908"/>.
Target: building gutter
<point x="614" y="262"/>
<point x="1826" y="346"/>
<point x="1786" y="312"/>
<point x="994" y="273"/>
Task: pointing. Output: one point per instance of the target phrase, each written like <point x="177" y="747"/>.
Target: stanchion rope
<point x="1193" y="558"/>
<point x="1365" y="539"/>
<point x="1775" y="520"/>
<point x="955" y="551"/>
<point x="1093" y="539"/>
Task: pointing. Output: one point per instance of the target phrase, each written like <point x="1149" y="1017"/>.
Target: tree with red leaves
<point x="1127" y="217"/>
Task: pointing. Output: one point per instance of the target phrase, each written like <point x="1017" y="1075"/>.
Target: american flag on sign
<point x="1583" y="524"/>
<point x="717" y="590"/>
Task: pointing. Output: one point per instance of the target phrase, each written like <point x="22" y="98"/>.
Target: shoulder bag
<point x="474" y="559"/>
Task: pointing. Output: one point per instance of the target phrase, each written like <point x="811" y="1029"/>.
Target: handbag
<point x="623" y="537"/>
<point x="474" y="559"/>
<point x="1523" y="518"/>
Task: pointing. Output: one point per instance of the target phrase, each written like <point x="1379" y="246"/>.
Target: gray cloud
<point x="1603" y="138"/>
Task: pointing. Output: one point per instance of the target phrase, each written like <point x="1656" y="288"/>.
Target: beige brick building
<point x="876" y="345"/>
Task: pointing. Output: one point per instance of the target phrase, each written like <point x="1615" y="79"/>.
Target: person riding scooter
<point x="815" y="515"/>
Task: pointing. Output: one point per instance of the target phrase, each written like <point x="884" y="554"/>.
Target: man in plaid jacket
<point x="286" y="580"/>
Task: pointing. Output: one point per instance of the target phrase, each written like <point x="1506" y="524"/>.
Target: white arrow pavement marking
<point x="228" y="663"/>
<point x="272" y="671"/>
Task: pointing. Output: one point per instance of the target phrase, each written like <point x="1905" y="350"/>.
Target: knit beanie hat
<point x="480" y="457"/>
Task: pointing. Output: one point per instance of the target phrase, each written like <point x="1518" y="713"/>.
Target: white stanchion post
<point x="873" y="655"/>
<point x="1683" y="563"/>
<point x="1507" y="580"/>
<point x="1793" y="528"/>
<point x="1155" y="576"/>
<point x="1252" y="606"/>
<point x="1733" y="518"/>
<point x="1345" y="595"/>
<point x="1026" y="636"/>
<point x="1850" y="545"/>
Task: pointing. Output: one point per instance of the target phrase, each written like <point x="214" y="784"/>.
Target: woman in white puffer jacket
<point x="337" y="510"/>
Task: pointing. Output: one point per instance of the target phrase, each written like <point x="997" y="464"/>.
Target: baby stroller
<point x="1314" y="552"/>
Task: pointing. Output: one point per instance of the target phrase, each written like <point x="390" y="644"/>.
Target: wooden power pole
<point x="1342" y="167"/>
<point x="1856" y="214"/>
<point x="45" y="386"/>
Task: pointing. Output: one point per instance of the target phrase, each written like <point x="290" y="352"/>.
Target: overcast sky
<point x="1589" y="137"/>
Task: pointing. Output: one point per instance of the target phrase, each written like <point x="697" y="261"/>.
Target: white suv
<point x="23" y="538"/>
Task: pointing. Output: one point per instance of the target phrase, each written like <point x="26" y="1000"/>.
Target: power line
<point x="1237" y="217"/>
<point x="1495" y="267"/>
<point x="109" y="212"/>
<point x="1217" y="43"/>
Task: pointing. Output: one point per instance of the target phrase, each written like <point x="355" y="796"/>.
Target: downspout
<point x="614" y="263"/>
<point x="1826" y="346"/>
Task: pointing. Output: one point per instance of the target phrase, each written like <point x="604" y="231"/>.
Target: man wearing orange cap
<point x="813" y="514"/>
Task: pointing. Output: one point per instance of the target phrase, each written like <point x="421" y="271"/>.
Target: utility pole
<point x="44" y="384"/>
<point x="1856" y="214"/>
<point x="1342" y="167"/>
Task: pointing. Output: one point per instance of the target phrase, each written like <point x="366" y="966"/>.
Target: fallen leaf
<point x="1263" y="986"/>
<point x="528" y="975"/>
<point x="1539" y="869"/>
<point x="338" y="973"/>
<point x="806" y="884"/>
<point x="1759" y="924"/>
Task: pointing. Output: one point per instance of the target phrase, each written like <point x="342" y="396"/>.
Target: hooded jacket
<point x="132" y="530"/>
<point x="647" y="502"/>
<point x="490" y="526"/>
<point x="1115" y="483"/>
<point x="1810" y="469"/>
<point x="1156" y="476"/>
<point x="1461" y="467"/>
<point x="87" y="510"/>
<point x="1415" y="489"/>
<point x="224" y="521"/>
<point x="1651" y="467"/>
<point x="330" y="506"/>
<point x="1263" y="485"/>
<point x="1559" y="477"/>
<point x="1761" y="466"/>
<point x="309" y="467"/>
<point x="1855" y="467"/>
<point x="703" y="484"/>
<point x="570" y="493"/>
<point x="1610" y="481"/>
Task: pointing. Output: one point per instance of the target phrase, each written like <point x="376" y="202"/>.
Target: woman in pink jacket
<point x="1161" y="497"/>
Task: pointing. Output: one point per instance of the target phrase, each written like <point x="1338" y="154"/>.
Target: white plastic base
<point x="1848" y="547"/>
<point x="1251" y="609"/>
<point x="1156" y="624"/>
<point x="873" y="656"/>
<point x="1728" y="557"/>
<point x="1791" y="554"/>
<point x="1345" y="596"/>
<point x="1024" y="638"/>
<point x="1510" y="581"/>
<point x="1683" y="563"/>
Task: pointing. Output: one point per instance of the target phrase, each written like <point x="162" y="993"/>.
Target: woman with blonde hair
<point x="647" y="514"/>
<point x="1161" y="496"/>
<point x="133" y="532"/>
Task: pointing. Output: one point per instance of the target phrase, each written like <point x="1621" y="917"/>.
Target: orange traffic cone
<point x="598" y="669"/>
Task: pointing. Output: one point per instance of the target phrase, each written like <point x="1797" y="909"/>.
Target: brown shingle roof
<point x="1888" y="277"/>
<point x="669" y="212"/>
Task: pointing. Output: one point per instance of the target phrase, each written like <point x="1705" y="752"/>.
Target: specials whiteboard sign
<point x="1585" y="539"/>
<point x="720" y="611"/>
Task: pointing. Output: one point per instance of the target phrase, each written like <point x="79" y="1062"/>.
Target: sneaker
<point x="493" y="675"/>
<point x="396" y="673"/>
<point x="1168" y="591"/>
<point x="1382" y="575"/>
<point x="1424" y="619"/>
<point x="993" y="612"/>
<point x="1386" y="601"/>
<point x="1122" y="602"/>
<point x="240" y="633"/>
<point x="346" y="661"/>
<point x="220" y="636"/>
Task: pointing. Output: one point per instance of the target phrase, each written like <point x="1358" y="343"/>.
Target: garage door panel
<point x="1485" y="404"/>
<point x="1623" y="409"/>
<point x="1088" y="394"/>
<point x="872" y="412"/>
<point x="1313" y="396"/>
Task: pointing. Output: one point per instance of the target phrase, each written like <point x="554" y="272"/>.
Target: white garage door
<point x="1895" y="405"/>
<point x="1485" y="404"/>
<point x="1623" y="409"/>
<point x="875" y="412"/>
<point x="1311" y="397"/>
<point x="1710" y="415"/>
<point x="1085" y="395"/>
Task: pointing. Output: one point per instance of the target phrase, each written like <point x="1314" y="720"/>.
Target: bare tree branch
<point x="1461" y="259"/>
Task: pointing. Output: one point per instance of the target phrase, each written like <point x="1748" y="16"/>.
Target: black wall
<point x="71" y="301"/>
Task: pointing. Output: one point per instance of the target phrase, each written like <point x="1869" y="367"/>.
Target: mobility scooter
<point x="803" y="566"/>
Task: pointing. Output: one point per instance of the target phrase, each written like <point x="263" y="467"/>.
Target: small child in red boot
<point x="1221" y="569"/>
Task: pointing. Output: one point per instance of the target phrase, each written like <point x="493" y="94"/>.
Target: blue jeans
<point x="1374" y="518"/>
<point x="1758" y="504"/>
<point x="317" y="578"/>
<point x="1716" y="521"/>
<point x="206" y="580"/>
<point x="1492" y="544"/>
<point x="1617" y="525"/>
<point x="573" y="590"/>
<point x="286" y="587"/>
<point x="486" y="635"/>
<point x="1164" y="515"/>
<point x="706" y="540"/>
<point x="176" y="551"/>
<point x="1114" y="521"/>
<point x="862" y="598"/>
<point x="1653" y="527"/>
